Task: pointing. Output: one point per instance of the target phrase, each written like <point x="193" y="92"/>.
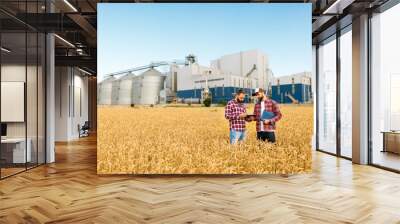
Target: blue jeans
<point x="236" y="136"/>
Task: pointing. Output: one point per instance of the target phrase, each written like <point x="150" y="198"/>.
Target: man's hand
<point x="249" y="119"/>
<point x="267" y="121"/>
<point x="243" y="115"/>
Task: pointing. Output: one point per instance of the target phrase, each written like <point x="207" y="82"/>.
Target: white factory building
<point x="242" y="70"/>
<point x="187" y="81"/>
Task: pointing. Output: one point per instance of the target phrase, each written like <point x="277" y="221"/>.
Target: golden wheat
<point x="195" y="140"/>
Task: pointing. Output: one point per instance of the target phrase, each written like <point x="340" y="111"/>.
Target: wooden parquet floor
<point x="70" y="191"/>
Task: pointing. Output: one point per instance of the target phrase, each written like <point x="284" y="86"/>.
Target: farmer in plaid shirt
<point x="235" y="112"/>
<point x="265" y="129"/>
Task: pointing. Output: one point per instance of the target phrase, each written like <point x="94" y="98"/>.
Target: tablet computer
<point x="267" y="115"/>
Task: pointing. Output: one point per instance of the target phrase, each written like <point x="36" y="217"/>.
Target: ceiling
<point x="75" y="21"/>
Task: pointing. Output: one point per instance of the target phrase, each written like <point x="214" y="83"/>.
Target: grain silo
<point x="105" y="88"/>
<point x="147" y="87"/>
<point x="125" y="91"/>
<point x="115" y="92"/>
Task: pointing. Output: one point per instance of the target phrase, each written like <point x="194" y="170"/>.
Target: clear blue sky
<point x="132" y="35"/>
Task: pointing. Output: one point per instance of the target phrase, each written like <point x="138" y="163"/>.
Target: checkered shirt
<point x="271" y="106"/>
<point x="232" y="111"/>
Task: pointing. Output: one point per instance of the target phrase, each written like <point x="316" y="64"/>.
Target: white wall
<point x="233" y="68"/>
<point x="62" y="83"/>
<point x="14" y="73"/>
<point x="80" y="105"/>
<point x="230" y="64"/>
<point x="199" y="81"/>
<point x="241" y="63"/>
<point x="17" y="73"/>
<point x="71" y="102"/>
<point x="186" y="74"/>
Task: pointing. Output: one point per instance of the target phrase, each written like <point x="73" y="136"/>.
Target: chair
<point x="84" y="130"/>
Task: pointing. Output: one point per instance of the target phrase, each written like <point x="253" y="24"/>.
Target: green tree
<point x="207" y="102"/>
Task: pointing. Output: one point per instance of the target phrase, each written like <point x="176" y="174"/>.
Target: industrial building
<point x="142" y="89"/>
<point x="105" y="91"/>
<point x="187" y="82"/>
<point x="50" y="45"/>
<point x="125" y="89"/>
<point x="245" y="70"/>
<point x="294" y="88"/>
<point x="147" y="88"/>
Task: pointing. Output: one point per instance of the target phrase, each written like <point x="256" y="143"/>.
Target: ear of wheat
<point x="195" y="140"/>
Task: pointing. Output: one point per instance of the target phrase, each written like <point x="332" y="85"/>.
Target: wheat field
<point x="195" y="140"/>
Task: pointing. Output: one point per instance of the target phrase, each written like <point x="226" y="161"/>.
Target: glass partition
<point x="32" y="96"/>
<point x="14" y="153"/>
<point x="22" y="77"/>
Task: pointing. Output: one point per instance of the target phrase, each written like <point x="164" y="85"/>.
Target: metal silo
<point x="136" y="89"/>
<point x="105" y="91"/>
<point x="115" y="92"/>
<point x="147" y="87"/>
<point x="125" y="93"/>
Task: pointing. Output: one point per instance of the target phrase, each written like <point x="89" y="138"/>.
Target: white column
<point x="313" y="90"/>
<point x="360" y="90"/>
<point x="50" y="99"/>
<point x="50" y="92"/>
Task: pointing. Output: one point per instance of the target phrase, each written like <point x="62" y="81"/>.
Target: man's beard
<point x="239" y="100"/>
<point x="260" y="98"/>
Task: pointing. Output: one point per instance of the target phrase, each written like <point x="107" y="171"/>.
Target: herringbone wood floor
<point x="69" y="191"/>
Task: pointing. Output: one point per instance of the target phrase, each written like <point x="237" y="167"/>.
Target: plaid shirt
<point x="232" y="111"/>
<point x="271" y="106"/>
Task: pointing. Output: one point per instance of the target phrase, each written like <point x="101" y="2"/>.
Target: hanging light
<point x="70" y="5"/>
<point x="5" y="50"/>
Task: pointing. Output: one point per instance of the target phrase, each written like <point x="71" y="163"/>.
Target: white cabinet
<point x="19" y="155"/>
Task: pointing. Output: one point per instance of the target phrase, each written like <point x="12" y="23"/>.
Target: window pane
<point x="327" y="96"/>
<point x="386" y="88"/>
<point x="346" y="94"/>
